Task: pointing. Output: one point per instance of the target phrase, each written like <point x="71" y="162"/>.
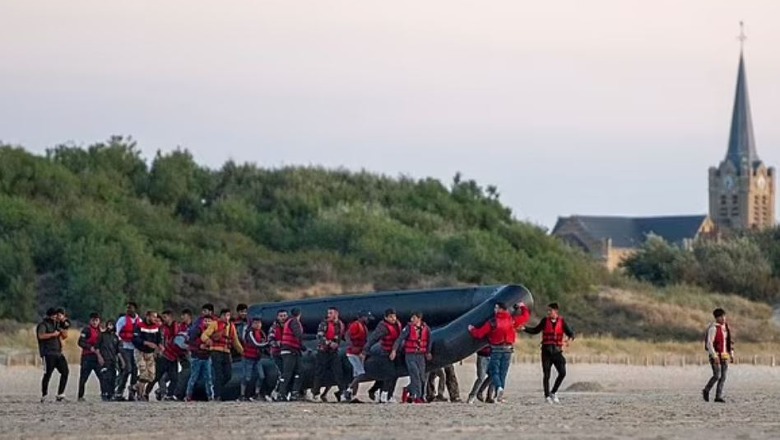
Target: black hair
<point x="501" y="305"/>
<point x="417" y="314"/>
<point x="209" y="307"/>
<point x="223" y="311"/>
<point x="335" y="309"/>
<point x="51" y="311"/>
<point x="390" y="311"/>
<point x="59" y="310"/>
<point x="94" y="315"/>
<point x="717" y="313"/>
<point x="281" y="311"/>
<point x="110" y="321"/>
<point x="186" y="312"/>
<point x="167" y="312"/>
<point x="553" y="306"/>
<point x="295" y="312"/>
<point x="241" y="307"/>
<point x="132" y="303"/>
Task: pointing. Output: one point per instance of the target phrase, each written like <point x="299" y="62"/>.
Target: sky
<point x="600" y="107"/>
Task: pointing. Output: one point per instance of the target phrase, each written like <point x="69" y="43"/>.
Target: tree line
<point x="91" y="227"/>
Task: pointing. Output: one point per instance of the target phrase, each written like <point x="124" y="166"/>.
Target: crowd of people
<point x="135" y="354"/>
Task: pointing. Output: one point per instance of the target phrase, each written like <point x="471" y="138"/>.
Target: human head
<point x="132" y="308"/>
<point x="224" y="314"/>
<point x="363" y="316"/>
<point x="390" y="316"/>
<point x="296" y="313"/>
<point x="151" y="317"/>
<point x="167" y="317"/>
<point x="257" y="323"/>
<point x="416" y="318"/>
<point x="333" y="314"/>
<point x="51" y="313"/>
<point x="207" y="309"/>
<point x="186" y="316"/>
<point x="60" y="314"/>
<point x="500" y="307"/>
<point x="110" y="325"/>
<point x="720" y="315"/>
<point x="552" y="310"/>
<point x="242" y="311"/>
<point x="281" y="316"/>
<point x="94" y="319"/>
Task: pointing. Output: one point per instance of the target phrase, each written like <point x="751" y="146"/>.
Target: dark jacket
<point x="109" y="346"/>
<point x="51" y="346"/>
<point x="146" y="333"/>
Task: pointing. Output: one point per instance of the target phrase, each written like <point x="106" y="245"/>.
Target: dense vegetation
<point x="748" y="265"/>
<point x="89" y="228"/>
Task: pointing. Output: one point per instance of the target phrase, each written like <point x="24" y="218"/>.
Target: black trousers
<point x="552" y="357"/>
<point x="130" y="371"/>
<point x="291" y="374"/>
<point x="222" y="364"/>
<point x="166" y="376"/>
<point x="89" y="364"/>
<point x="328" y="362"/>
<point x="182" y="378"/>
<point x="50" y="363"/>
<point x="107" y="381"/>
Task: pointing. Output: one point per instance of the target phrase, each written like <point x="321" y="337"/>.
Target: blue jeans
<point x="499" y="367"/>
<point x="198" y="368"/>
<point x="253" y="374"/>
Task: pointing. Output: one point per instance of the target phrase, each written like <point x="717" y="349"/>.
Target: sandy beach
<point x="636" y="403"/>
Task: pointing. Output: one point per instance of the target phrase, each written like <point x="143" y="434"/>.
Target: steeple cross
<point x="742" y="37"/>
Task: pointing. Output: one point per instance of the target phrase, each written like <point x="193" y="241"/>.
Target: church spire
<point x="742" y="145"/>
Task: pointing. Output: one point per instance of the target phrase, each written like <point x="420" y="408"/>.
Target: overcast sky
<point x="570" y="107"/>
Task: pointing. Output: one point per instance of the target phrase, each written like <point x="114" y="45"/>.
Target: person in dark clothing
<point x="240" y="321"/>
<point x="109" y="346"/>
<point x="720" y="348"/>
<point x="330" y="334"/>
<point x="416" y="342"/>
<point x="222" y="339"/>
<point x="275" y="346"/>
<point x="553" y="329"/>
<point x="446" y="380"/>
<point x="167" y="366"/>
<point x="50" y="334"/>
<point x="91" y="358"/>
<point x="483" y="360"/>
<point x="184" y="359"/>
<point x="291" y="350"/>
<point x="386" y="334"/>
<point x="147" y="339"/>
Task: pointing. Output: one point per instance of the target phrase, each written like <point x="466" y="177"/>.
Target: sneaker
<point x="471" y="400"/>
<point x="43" y="399"/>
<point x="61" y="398"/>
<point x="490" y="400"/>
<point x="269" y="398"/>
<point x="719" y="400"/>
<point x="548" y="399"/>
<point x="480" y="397"/>
<point x="499" y="395"/>
<point x="347" y="396"/>
<point x="157" y="395"/>
<point x="555" y="398"/>
<point x="440" y="398"/>
<point x="337" y="394"/>
<point x="705" y="395"/>
<point x="391" y="400"/>
<point x="383" y="397"/>
<point x="318" y="398"/>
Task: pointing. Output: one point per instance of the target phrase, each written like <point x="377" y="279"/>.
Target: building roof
<point x="629" y="232"/>
<point x="742" y="145"/>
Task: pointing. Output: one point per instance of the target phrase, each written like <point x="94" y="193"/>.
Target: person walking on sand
<point x="200" y="360"/>
<point x="224" y="338"/>
<point x="50" y="335"/>
<point x="357" y="336"/>
<point x="483" y="360"/>
<point x="291" y="350"/>
<point x="148" y="342"/>
<point x="553" y="329"/>
<point x="386" y="334"/>
<point x="719" y="345"/>
<point x="125" y="328"/>
<point x="416" y="342"/>
<point x="91" y="359"/>
<point x="330" y="333"/>
<point x="501" y="333"/>
<point x="109" y="346"/>
<point x="254" y="344"/>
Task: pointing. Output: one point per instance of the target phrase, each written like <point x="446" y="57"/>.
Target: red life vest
<point x="252" y="351"/>
<point x="720" y="342"/>
<point x="393" y="332"/>
<point x="330" y="333"/>
<point x="92" y="341"/>
<point x="289" y="340"/>
<point x="503" y="329"/>
<point x="126" y="334"/>
<point x="417" y="342"/>
<point x="277" y="330"/>
<point x="553" y="334"/>
<point x="171" y="351"/>
<point x="358" y="336"/>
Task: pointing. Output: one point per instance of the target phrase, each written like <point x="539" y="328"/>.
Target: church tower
<point x="742" y="188"/>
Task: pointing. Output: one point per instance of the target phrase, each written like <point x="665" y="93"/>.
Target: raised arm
<point x="538" y="329"/>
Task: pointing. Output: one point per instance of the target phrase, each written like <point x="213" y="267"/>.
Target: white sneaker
<point x="391" y="400"/>
<point x="500" y="395"/>
<point x="269" y="398"/>
<point x="555" y="398"/>
<point x="549" y="400"/>
<point x="383" y="397"/>
<point x="471" y="400"/>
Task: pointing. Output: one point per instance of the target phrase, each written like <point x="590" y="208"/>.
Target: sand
<point x="636" y="403"/>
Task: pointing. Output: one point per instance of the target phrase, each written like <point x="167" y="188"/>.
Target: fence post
<point x="755" y="359"/>
<point x="682" y="362"/>
<point x="772" y="362"/>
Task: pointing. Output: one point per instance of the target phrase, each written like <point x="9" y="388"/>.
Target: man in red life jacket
<point x="125" y="328"/>
<point x="357" y="336"/>
<point x="200" y="359"/>
<point x="275" y="345"/>
<point x="501" y="333"/>
<point x="416" y="342"/>
<point x="148" y="341"/>
<point x="719" y="346"/>
<point x="254" y="343"/>
<point x="553" y="329"/>
<point x="90" y="354"/>
<point x="224" y="338"/>
<point x="330" y="333"/>
<point x="167" y="374"/>
<point x="291" y="350"/>
<point x="386" y="333"/>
